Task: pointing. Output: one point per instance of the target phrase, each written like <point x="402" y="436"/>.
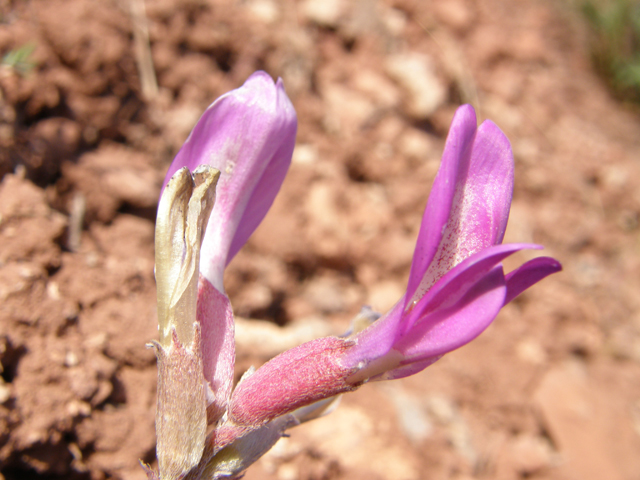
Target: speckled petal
<point x="455" y="157"/>
<point x="479" y="211"/>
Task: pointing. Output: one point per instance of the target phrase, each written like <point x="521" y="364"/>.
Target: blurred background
<point x="96" y="98"/>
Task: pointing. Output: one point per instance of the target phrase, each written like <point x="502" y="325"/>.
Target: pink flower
<point x="456" y="286"/>
<point x="239" y="153"/>
<point x="248" y="135"/>
<point x="243" y="142"/>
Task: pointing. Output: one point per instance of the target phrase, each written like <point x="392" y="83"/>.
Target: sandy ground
<point x="550" y="391"/>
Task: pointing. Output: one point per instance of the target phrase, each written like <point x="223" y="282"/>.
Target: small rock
<point x="180" y="121"/>
<point x="384" y="93"/>
<point x="83" y="382"/>
<point x="416" y="144"/>
<point x="531" y="352"/>
<point x="323" y="12"/>
<point x="304" y="154"/>
<point x="78" y="408"/>
<point x="71" y="359"/>
<point x="288" y="471"/>
<point x="5" y="392"/>
<point x="384" y="295"/>
<point x="264" y="10"/>
<point x="531" y="454"/>
<point x="347" y="109"/>
<point x="53" y="290"/>
<point x="321" y="207"/>
<point x="325" y="294"/>
<point x="425" y="92"/>
<point x="255" y="296"/>
<point x="394" y="20"/>
<point x="454" y="13"/>
<point x="414" y="420"/>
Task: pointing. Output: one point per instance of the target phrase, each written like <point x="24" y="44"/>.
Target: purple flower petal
<point x="458" y="281"/>
<point x="491" y="175"/>
<point x="249" y="135"/>
<point x="477" y="217"/>
<point x="436" y="215"/>
<point x="377" y="339"/>
<point x="263" y="195"/>
<point x="529" y="274"/>
<point x="406" y="370"/>
<point x="449" y="328"/>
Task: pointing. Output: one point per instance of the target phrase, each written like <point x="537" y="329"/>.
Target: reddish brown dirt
<point x="550" y="391"/>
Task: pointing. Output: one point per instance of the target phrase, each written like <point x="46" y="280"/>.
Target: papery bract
<point x="181" y="416"/>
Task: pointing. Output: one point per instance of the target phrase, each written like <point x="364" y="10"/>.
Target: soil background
<point x="550" y="391"/>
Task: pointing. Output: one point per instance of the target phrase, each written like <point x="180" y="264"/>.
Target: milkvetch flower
<point x="237" y="156"/>
<point x="456" y="286"/>
<point x="248" y="135"/>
